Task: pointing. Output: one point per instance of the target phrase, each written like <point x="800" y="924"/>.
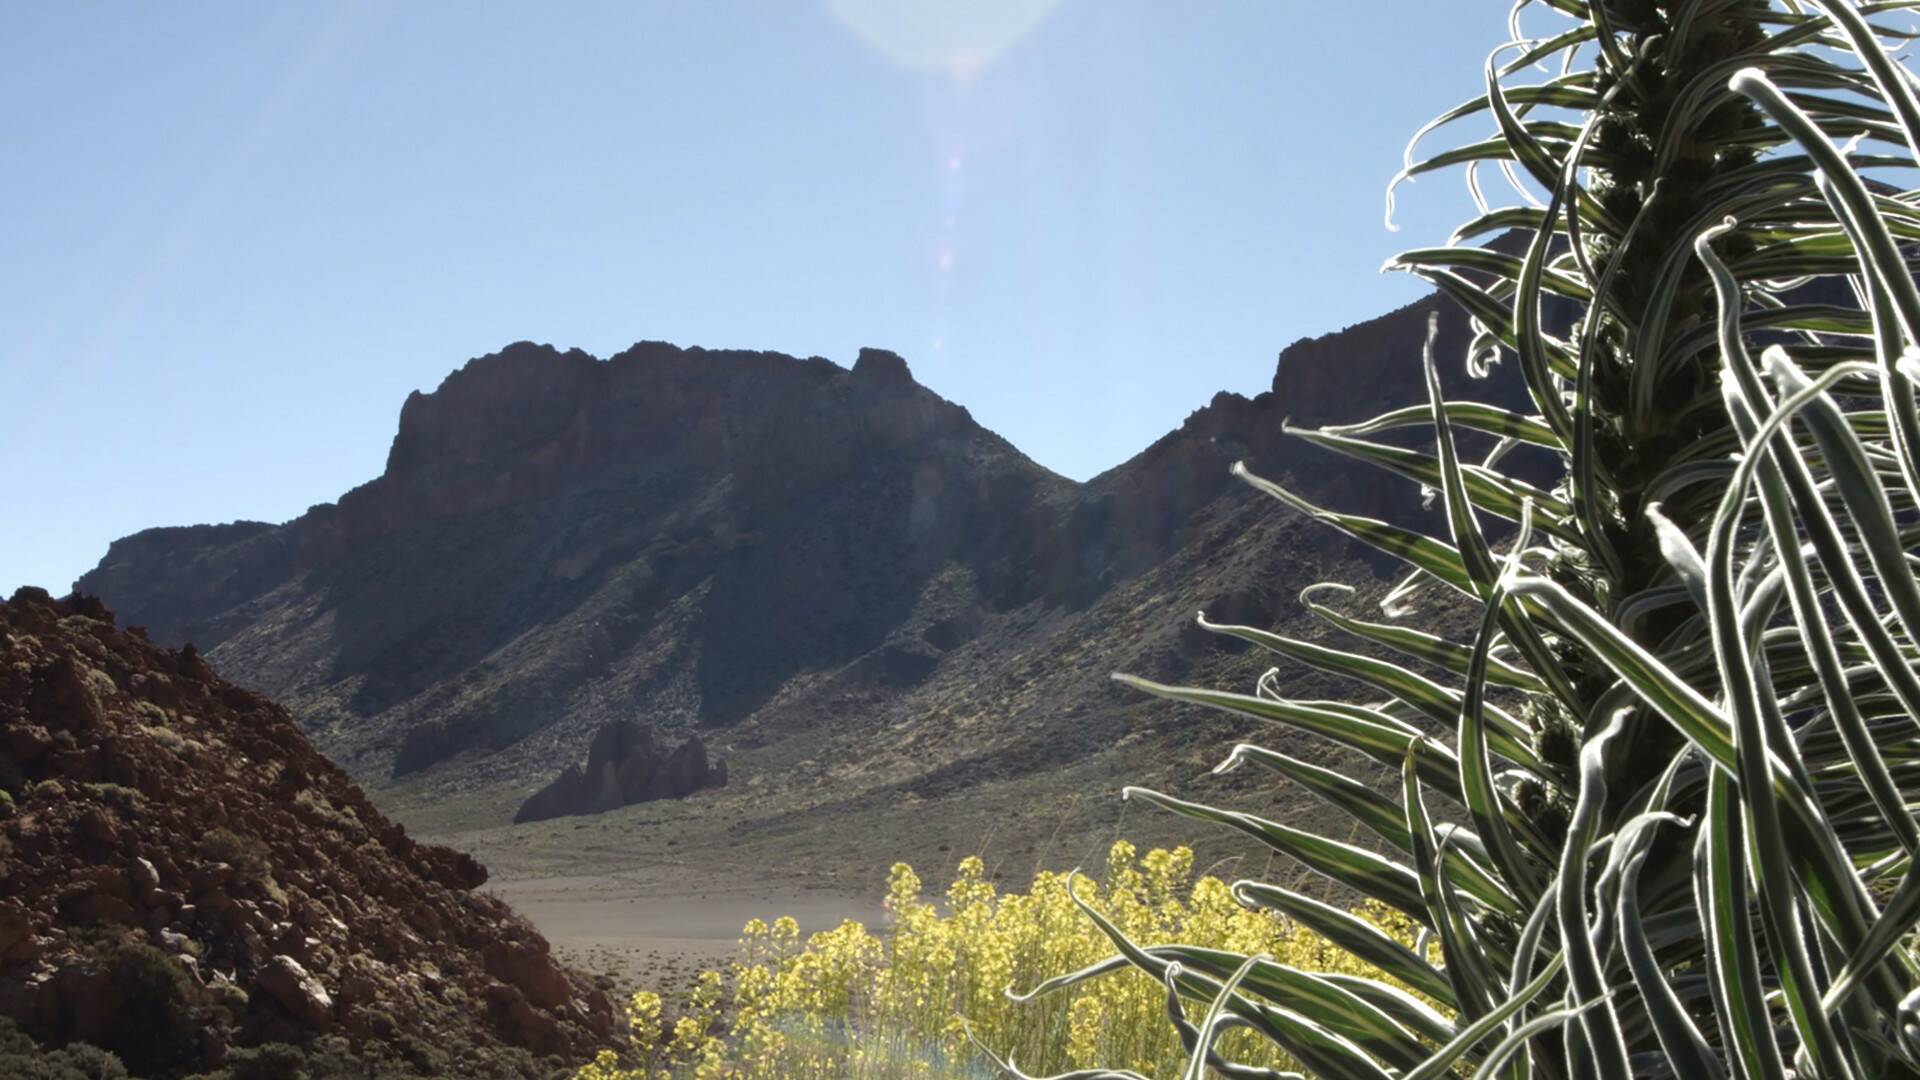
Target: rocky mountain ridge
<point x="804" y="563"/>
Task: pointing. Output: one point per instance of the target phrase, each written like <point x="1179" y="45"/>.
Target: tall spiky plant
<point x="1678" y="758"/>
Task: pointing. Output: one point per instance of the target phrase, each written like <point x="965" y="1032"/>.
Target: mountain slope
<point x="184" y="880"/>
<point x="861" y="595"/>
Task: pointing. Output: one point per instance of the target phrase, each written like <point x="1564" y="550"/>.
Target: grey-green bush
<point x="1656" y="812"/>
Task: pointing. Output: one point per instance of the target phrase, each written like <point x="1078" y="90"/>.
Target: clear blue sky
<point x="233" y="237"/>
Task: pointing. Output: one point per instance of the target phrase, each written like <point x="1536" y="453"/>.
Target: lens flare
<point x="956" y="36"/>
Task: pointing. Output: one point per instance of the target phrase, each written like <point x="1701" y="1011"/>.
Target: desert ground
<point x="647" y="895"/>
<point x="645" y="929"/>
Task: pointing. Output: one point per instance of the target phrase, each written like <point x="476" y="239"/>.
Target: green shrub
<point x="424" y="1056"/>
<point x="340" y="817"/>
<point x="23" y="1059"/>
<point x="166" y="736"/>
<point x="250" y="858"/>
<point x="118" y="795"/>
<point x="268" y="1061"/>
<point x="227" y="994"/>
<point x="101" y="683"/>
<point x="1676" y="758"/>
<point x="161" y="1011"/>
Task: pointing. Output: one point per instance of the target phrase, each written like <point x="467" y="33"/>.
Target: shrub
<point x="157" y="1024"/>
<point x="165" y="736"/>
<point x="316" y="803"/>
<point x="424" y="1056"/>
<point x="268" y="1061"/>
<point x="249" y="857"/>
<point x="118" y="795"/>
<point x="1681" y="740"/>
<point x="23" y="1059"/>
<point x="852" y="1003"/>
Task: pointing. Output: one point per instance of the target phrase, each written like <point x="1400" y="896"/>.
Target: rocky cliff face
<point x="184" y="879"/>
<point x="805" y="563"/>
<point x="698" y="527"/>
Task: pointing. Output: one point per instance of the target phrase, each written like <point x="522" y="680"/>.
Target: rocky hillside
<point x="843" y="582"/>
<point x="187" y="883"/>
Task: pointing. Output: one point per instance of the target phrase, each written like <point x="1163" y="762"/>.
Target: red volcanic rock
<point x="184" y="873"/>
<point x="527" y="966"/>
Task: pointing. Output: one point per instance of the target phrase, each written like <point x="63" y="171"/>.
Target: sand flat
<point x="644" y="931"/>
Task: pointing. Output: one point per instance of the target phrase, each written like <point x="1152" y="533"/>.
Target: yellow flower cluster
<point x="849" y="1004"/>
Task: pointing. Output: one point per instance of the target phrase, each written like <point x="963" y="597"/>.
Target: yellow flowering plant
<point x="949" y="985"/>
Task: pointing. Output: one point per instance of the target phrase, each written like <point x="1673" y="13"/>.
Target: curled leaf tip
<point x="1307" y="594"/>
<point x="1233" y="760"/>
<point x="1746" y="79"/>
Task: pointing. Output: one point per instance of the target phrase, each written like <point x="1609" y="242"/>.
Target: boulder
<point x="26" y="742"/>
<point x="520" y="1021"/>
<point x="530" y="970"/>
<point x="145" y="876"/>
<point x="65" y="700"/>
<point x="294" y="989"/>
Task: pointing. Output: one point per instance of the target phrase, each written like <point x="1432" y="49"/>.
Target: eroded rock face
<point x="182" y="873"/>
<point x="540" y="510"/>
<point x="625" y="764"/>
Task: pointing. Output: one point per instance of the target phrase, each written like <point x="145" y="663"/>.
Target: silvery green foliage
<point x="1656" y="812"/>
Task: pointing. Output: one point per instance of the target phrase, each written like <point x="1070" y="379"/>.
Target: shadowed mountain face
<point x="796" y="559"/>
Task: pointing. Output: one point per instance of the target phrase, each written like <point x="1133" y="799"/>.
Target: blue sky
<point x="236" y="236"/>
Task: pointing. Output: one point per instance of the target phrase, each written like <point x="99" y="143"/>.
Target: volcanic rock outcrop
<point x="625" y="764"/>
<point x="183" y="879"/>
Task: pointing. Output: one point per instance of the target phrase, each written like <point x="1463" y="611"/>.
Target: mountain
<point x="863" y="597"/>
<point x="186" y="882"/>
